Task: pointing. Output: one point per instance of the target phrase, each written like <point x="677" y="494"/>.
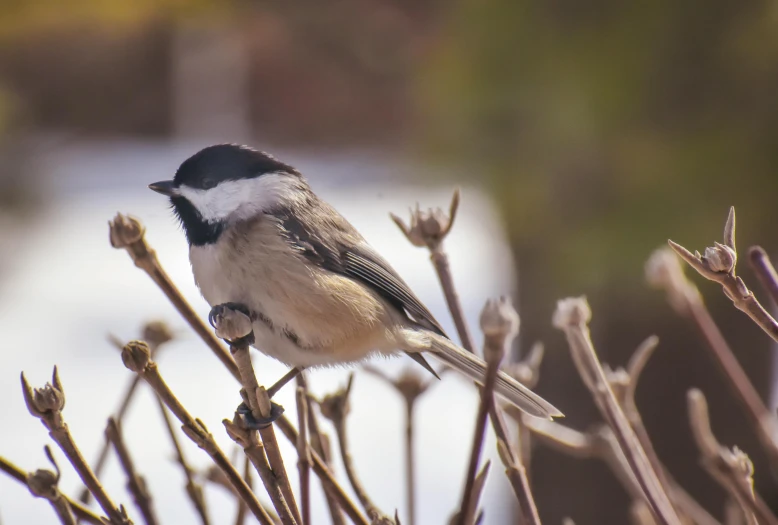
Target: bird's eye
<point x="208" y="183"/>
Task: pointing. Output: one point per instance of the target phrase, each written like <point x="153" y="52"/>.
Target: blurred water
<point x="67" y="289"/>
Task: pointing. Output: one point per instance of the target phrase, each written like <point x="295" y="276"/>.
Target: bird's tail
<point x="475" y="368"/>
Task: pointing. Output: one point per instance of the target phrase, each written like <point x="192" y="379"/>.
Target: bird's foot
<point x="276" y="411"/>
<point x="232" y="322"/>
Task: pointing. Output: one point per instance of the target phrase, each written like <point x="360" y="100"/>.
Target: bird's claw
<point x="232" y="322"/>
<point x="276" y="411"/>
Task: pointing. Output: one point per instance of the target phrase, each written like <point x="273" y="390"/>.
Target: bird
<point x="317" y="293"/>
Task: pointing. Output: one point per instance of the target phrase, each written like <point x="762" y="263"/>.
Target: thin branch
<point x="624" y="384"/>
<point x="335" y="407"/>
<point x="44" y="484"/>
<point x="135" y="482"/>
<point x="765" y="271"/>
<point x="46" y="404"/>
<point x="430" y="228"/>
<point x="572" y="316"/>
<point x="304" y="455"/>
<point x="718" y="265"/>
<point x="81" y="512"/>
<point x="730" y="468"/>
<point x="664" y="271"/>
<point x="410" y="386"/>
<point x="155" y="333"/>
<point x="475" y="498"/>
<point x="137" y="357"/>
<point x="320" y="443"/>
<point x="240" y="517"/>
<point x="235" y="328"/>
<point x="500" y="325"/>
<point x="193" y="489"/>
<point x="128" y="233"/>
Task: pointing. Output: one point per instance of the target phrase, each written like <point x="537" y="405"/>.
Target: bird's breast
<point x="315" y="309"/>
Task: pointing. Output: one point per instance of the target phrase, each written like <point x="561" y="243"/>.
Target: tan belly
<point x="331" y="316"/>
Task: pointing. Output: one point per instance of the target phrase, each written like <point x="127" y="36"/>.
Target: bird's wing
<point x="340" y="249"/>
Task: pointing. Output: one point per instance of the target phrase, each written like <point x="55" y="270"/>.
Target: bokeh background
<point x="584" y="135"/>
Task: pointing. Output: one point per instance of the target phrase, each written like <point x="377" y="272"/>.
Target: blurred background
<point x="583" y="135"/>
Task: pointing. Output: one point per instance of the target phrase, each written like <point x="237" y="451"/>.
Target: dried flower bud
<point x="136" y="356"/>
<point x="335" y="407"/>
<point x="125" y="230"/>
<point x="157" y="333"/>
<point x="429" y="228"/>
<point x="43" y="484"/>
<point x="46" y="402"/>
<point x="49" y="399"/>
<point x="664" y="271"/>
<point x="572" y="311"/>
<point x="411" y="385"/>
<point x="500" y="324"/>
<point x="720" y="258"/>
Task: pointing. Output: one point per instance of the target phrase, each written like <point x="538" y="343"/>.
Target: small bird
<point x="317" y="293"/>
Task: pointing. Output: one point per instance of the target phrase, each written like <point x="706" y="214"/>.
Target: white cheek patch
<point x="241" y="199"/>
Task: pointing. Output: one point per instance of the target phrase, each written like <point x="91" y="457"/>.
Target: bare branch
<point x="730" y="468"/>
<point x="765" y="271"/>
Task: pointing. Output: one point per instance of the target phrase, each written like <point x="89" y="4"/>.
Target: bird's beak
<point x="165" y="187"/>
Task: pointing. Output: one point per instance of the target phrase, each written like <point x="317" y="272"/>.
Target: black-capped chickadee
<point x="318" y="294"/>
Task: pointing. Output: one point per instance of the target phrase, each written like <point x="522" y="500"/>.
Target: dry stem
<point x="155" y="333"/>
<point x="765" y="271"/>
<point x="46" y="404"/>
<point x="81" y="512"/>
<point x="193" y="489"/>
<point x="135" y="482"/>
<point x="572" y="316"/>
<point x="500" y="325"/>
<point x="410" y="386"/>
<point x="730" y="468"/>
<point x="272" y="469"/>
<point x="718" y="265"/>
<point x="430" y="228"/>
<point x="304" y="455"/>
<point x="320" y="443"/>
<point x="137" y="357"/>
<point x="664" y="271"/>
<point x="127" y="232"/>
<point x="335" y="407"/>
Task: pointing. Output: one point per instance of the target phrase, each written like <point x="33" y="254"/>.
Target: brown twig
<point x="240" y="517"/>
<point x="127" y="232"/>
<point x="624" y="382"/>
<point x="135" y="482"/>
<point x="46" y="404"/>
<point x="572" y="316"/>
<point x="478" y="488"/>
<point x="335" y="407"/>
<point x="137" y="357"/>
<point x="765" y="271"/>
<point x="500" y="324"/>
<point x="21" y="476"/>
<point x="718" y="265"/>
<point x="193" y="489"/>
<point x="467" y="513"/>
<point x="429" y="229"/>
<point x="155" y="333"/>
<point x="527" y="372"/>
<point x="235" y="327"/>
<point x="43" y="484"/>
<point x="410" y="386"/>
<point x="304" y="455"/>
<point x="663" y="270"/>
<point x="730" y="468"/>
<point x="320" y="443"/>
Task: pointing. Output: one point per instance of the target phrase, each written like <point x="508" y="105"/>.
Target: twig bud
<point x="157" y="333"/>
<point x="500" y="324"/>
<point x="136" y="356"/>
<point x="572" y="311"/>
<point x="45" y="402"/>
<point x="720" y="258"/>
<point x="125" y="230"/>
<point x="335" y="407"/>
<point x="43" y="484"/>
